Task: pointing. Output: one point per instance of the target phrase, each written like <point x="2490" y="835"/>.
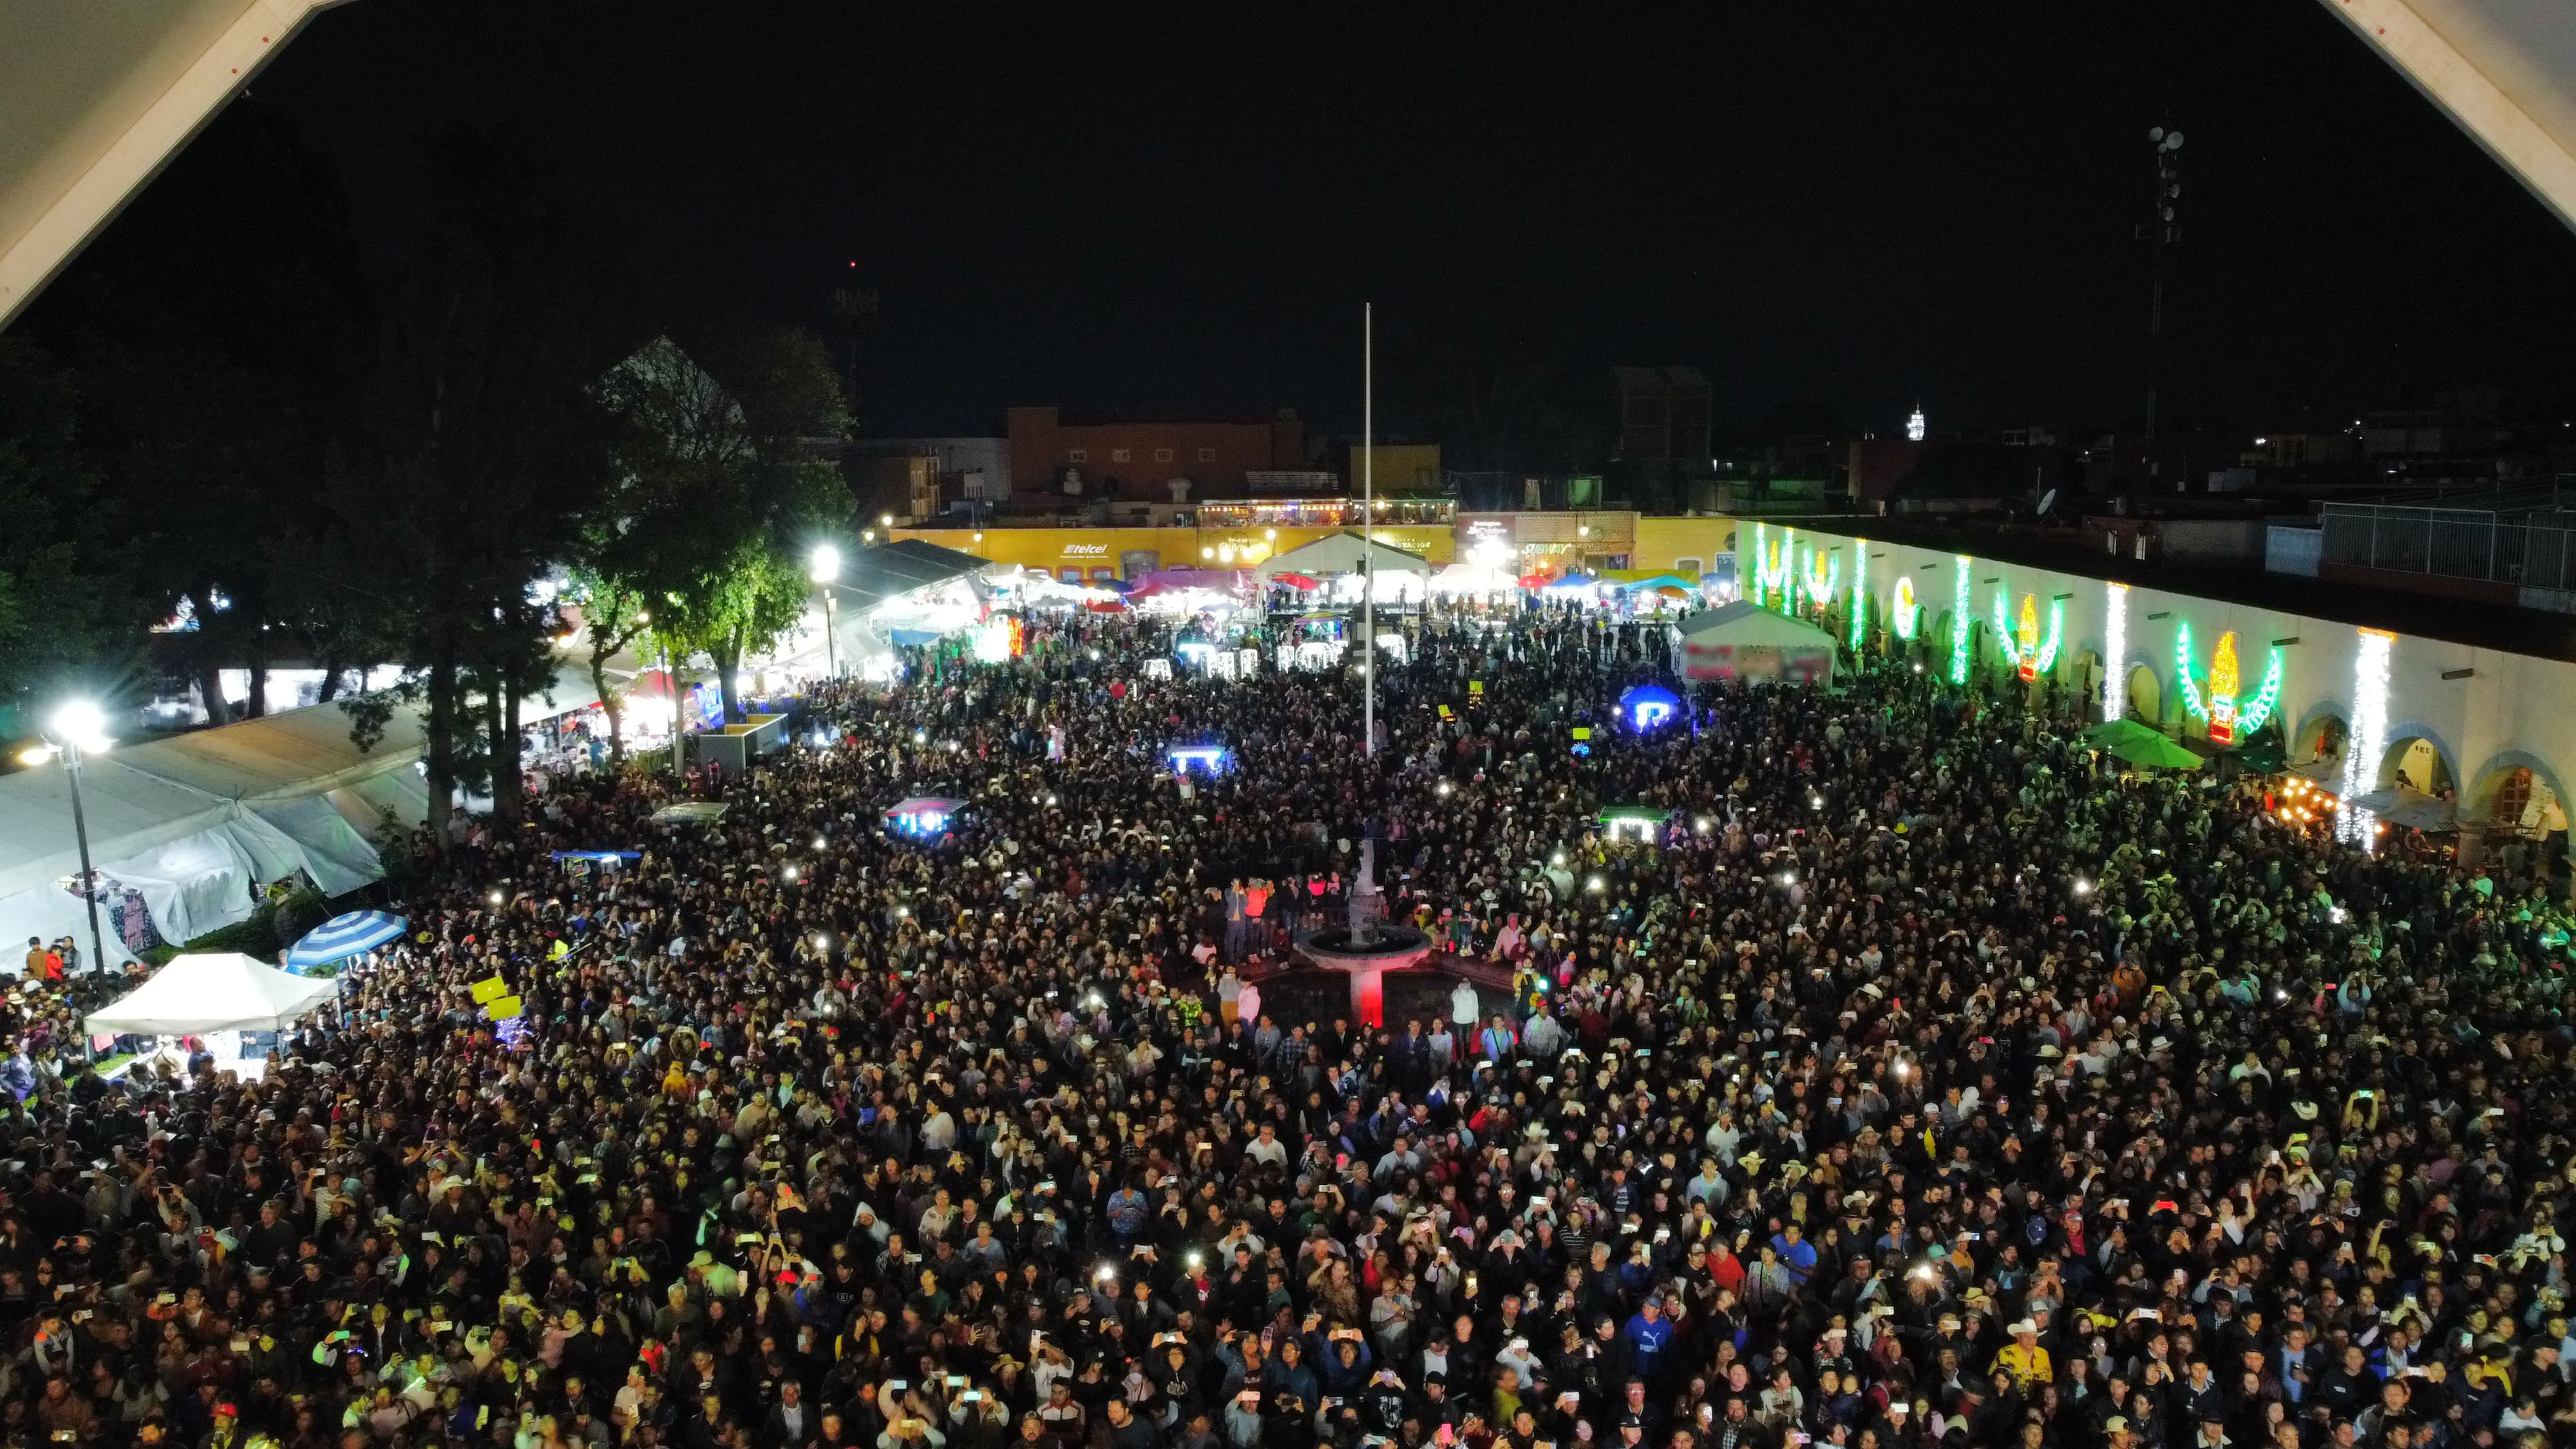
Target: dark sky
<point x="1134" y="208"/>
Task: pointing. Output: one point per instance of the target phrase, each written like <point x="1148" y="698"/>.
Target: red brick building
<point x="1142" y="461"/>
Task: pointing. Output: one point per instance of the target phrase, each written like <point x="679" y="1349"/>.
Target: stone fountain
<point x="1366" y="948"/>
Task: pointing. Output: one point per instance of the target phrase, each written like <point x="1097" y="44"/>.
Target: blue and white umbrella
<point x="342" y="937"/>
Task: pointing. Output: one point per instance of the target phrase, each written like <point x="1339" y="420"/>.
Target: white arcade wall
<point x="2483" y="714"/>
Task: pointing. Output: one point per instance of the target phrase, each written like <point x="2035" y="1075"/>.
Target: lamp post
<point x="78" y="728"/>
<point x="827" y="567"/>
<point x="670" y="688"/>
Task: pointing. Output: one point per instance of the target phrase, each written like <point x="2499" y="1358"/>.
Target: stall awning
<point x="214" y="991"/>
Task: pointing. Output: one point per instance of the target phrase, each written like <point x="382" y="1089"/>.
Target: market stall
<point x="1745" y="641"/>
<point x="213" y="991"/>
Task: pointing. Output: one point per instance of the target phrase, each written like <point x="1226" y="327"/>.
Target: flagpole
<point x="1368" y="529"/>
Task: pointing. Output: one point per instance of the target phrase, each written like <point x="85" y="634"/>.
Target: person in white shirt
<point x="1464" y="1012"/>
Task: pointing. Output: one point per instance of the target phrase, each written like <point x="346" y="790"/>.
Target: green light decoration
<point x="2182" y="670"/>
<point x="2029" y="654"/>
<point x="1771" y="571"/>
<point x="1905" y="612"/>
<point x="1962" y="622"/>
<point x="2216" y="702"/>
<point x="1860" y="593"/>
<point x="1822" y="583"/>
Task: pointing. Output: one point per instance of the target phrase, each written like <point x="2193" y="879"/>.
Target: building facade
<point x="1053" y="459"/>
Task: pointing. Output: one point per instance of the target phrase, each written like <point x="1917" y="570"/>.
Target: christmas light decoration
<point x="1860" y="593"/>
<point x="1904" y="612"/>
<point x="2217" y="702"/>
<point x="1771" y="571"/>
<point x="2368" y="737"/>
<point x="2115" y="650"/>
<point x="2029" y="654"/>
<point x="1823" y="576"/>
<point x="1962" y="622"/>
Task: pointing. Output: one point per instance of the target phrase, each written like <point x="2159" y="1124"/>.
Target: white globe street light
<point x="78" y="727"/>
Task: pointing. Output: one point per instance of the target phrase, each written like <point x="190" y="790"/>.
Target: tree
<point x="69" y="615"/>
<point x="488" y="447"/>
<point x="718" y="495"/>
<point x="220" y="329"/>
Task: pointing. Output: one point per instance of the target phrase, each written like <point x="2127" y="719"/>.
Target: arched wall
<point x="2476" y="703"/>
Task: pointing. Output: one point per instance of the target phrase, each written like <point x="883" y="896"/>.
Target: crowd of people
<point x="1923" y="1079"/>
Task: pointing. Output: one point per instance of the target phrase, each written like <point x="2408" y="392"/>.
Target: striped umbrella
<point x="342" y="937"/>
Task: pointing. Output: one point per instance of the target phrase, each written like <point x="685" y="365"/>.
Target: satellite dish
<point x="2155" y="133"/>
<point x="2046" y="499"/>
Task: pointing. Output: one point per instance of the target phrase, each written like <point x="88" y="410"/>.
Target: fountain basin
<point x="1391" y="946"/>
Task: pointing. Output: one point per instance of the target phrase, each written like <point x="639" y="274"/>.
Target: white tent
<point x="196" y="823"/>
<point x="1341" y="553"/>
<point x="1742" y="640"/>
<point x="215" y="991"/>
<point x="1477" y="579"/>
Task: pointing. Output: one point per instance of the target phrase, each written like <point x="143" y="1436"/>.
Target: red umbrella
<point x="1534" y="581"/>
<point x="1295" y="581"/>
<point x="1106" y="606"/>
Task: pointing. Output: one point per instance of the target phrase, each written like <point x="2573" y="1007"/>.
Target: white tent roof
<point x="1474" y="578"/>
<point x="215" y="991"/>
<point x="1341" y="553"/>
<point x="127" y="810"/>
<point x="1743" y="622"/>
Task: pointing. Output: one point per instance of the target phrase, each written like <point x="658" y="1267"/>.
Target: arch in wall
<point x="2510" y="778"/>
<point x="2321" y="735"/>
<point x="2422" y="756"/>
<point x="2145" y="692"/>
<point x="2083" y="674"/>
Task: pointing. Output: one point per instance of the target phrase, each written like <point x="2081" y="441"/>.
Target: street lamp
<point x="671" y="688"/>
<point x="78" y="728"/>
<point x="827" y="567"/>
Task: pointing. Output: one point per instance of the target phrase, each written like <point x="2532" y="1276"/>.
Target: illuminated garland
<point x="2115" y="651"/>
<point x="2030" y="655"/>
<point x="1962" y="622"/>
<point x="1771" y="572"/>
<point x="1905" y="614"/>
<point x="1860" y="591"/>
<point x="1822" y="584"/>
<point x="2217" y="705"/>
<point x="2368" y="735"/>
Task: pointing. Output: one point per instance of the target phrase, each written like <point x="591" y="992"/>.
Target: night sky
<point x="1180" y="210"/>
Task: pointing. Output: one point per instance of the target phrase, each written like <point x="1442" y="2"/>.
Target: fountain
<point x="1366" y="948"/>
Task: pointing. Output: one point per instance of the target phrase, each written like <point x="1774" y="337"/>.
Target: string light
<point x="1962" y="623"/>
<point x="2023" y="648"/>
<point x="1772" y="575"/>
<point x="2115" y="650"/>
<point x="1823" y="583"/>
<point x="2217" y="703"/>
<point x="2368" y="735"/>
<point x="1860" y="593"/>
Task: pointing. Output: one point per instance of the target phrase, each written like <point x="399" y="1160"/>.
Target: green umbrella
<point x="2263" y="753"/>
<point x="2139" y="745"/>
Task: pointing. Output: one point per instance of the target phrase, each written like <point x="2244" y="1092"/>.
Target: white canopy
<point x="214" y="991"/>
<point x="1341" y="553"/>
<point x="1743" y="640"/>
<point x="1474" y="578"/>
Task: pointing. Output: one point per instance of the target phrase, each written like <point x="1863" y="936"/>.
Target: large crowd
<point x="1923" y="1079"/>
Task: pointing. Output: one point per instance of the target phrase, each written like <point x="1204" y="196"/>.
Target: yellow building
<point x="1686" y="546"/>
<point x="1098" y="555"/>
<point x="1397" y="467"/>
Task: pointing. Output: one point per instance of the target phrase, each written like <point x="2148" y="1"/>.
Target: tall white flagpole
<point x="1368" y="529"/>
